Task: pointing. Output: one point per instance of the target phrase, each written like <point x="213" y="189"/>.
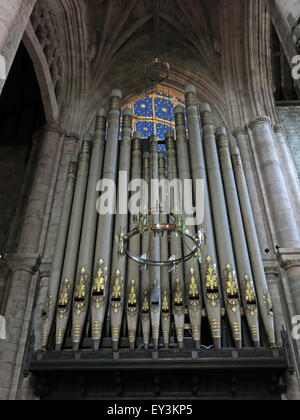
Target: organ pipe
<point x="178" y="290"/>
<point x="209" y="267"/>
<point x="244" y="269"/>
<point x="155" y="280"/>
<point x="102" y="261"/>
<point x="133" y="274"/>
<point x="59" y="253"/>
<point x="222" y="230"/>
<point x="191" y="267"/>
<point x="69" y="267"/>
<point x="263" y="295"/>
<point x="87" y="241"/>
<point x="118" y="270"/>
<point x="145" y="274"/>
<point x="164" y="255"/>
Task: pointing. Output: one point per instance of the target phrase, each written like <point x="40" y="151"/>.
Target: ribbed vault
<point x="127" y="35"/>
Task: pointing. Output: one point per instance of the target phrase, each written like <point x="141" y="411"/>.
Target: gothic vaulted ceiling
<point x="124" y="35"/>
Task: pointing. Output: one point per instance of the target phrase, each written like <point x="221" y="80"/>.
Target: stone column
<point x="25" y="262"/>
<point x="290" y="262"/>
<point x="277" y="198"/>
<point x="15" y="15"/>
<point x="288" y="170"/>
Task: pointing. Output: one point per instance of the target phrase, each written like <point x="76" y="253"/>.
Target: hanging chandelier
<point x="158" y="71"/>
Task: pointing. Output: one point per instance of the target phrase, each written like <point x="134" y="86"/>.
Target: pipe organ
<point x="100" y="298"/>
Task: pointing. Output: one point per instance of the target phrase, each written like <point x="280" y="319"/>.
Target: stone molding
<point x="29" y="263"/>
<point x="278" y="128"/>
<point x="271" y="267"/>
<point x="237" y="131"/>
<point x="260" y="121"/>
<point x="289" y="258"/>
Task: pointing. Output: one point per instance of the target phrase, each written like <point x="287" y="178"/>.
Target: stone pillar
<point x="288" y="170"/>
<point x="290" y="262"/>
<point x="277" y="198"/>
<point x="23" y="264"/>
<point x="241" y="137"/>
<point x="15" y="15"/>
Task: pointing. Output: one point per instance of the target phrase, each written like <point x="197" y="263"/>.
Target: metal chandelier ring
<point x="159" y="228"/>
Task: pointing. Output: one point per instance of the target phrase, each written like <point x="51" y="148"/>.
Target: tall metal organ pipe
<point x="155" y="279"/>
<point x="222" y="229"/>
<point x="191" y="267"/>
<point x="145" y="274"/>
<point x="239" y="238"/>
<point x="87" y="241"/>
<point x="119" y="262"/>
<point x="164" y="254"/>
<point x="263" y="295"/>
<point x="58" y="258"/>
<point x="209" y="266"/>
<point x="102" y="261"/>
<point x="70" y="262"/>
<point x="133" y="272"/>
<point x="178" y="289"/>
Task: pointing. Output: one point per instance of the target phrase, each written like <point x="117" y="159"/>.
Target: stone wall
<point x="289" y="117"/>
<point x="12" y="167"/>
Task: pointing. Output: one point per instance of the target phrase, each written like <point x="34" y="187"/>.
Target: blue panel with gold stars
<point x="154" y="114"/>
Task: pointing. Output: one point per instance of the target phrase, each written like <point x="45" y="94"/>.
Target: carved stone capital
<point x="278" y="128"/>
<point x="271" y="267"/>
<point x="237" y="131"/>
<point x="289" y="258"/>
<point x="29" y="263"/>
<point x="260" y="121"/>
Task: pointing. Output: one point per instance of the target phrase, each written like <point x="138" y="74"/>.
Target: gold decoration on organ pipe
<point x="88" y="234"/>
<point x="209" y="266"/>
<point x="181" y="169"/>
<point x="102" y="261"/>
<point x="263" y="295"/>
<point x="118" y="270"/>
<point x="222" y="229"/>
<point x="164" y="255"/>
<point x="58" y="258"/>
<point x="133" y="272"/>
<point x="178" y="291"/>
<point x="145" y="273"/>
<point x="69" y="268"/>
<point x="244" y="269"/>
<point x="155" y="279"/>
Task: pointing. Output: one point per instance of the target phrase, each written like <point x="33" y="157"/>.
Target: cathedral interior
<point x="119" y="306"/>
